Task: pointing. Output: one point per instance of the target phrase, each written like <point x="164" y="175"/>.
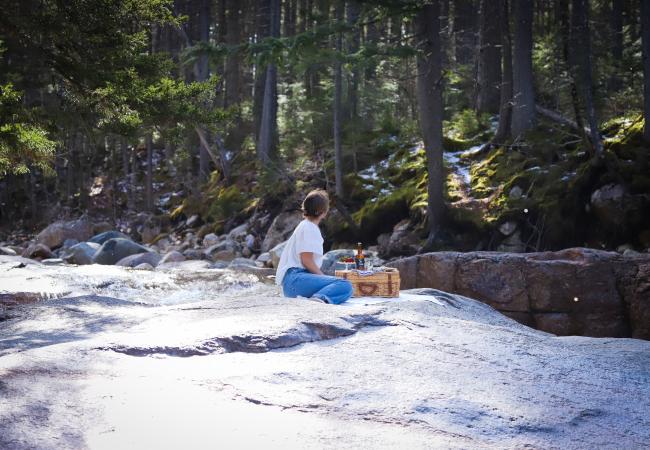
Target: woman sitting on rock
<point x="299" y="271"/>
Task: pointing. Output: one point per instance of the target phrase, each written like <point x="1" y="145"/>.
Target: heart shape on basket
<point x="368" y="288"/>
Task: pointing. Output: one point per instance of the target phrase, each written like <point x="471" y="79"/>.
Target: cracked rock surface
<point x="116" y="358"/>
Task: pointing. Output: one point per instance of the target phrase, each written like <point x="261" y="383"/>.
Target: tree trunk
<point x="149" y="180"/>
<point x="505" y="109"/>
<point x="353" y="11"/>
<point x="523" y="108"/>
<point x="84" y="174"/>
<point x="465" y="30"/>
<point x="338" y="147"/>
<point x="124" y="151"/>
<point x="489" y="63"/>
<point x="581" y="67"/>
<point x="565" y="31"/>
<point x="617" y="42"/>
<point x="267" y="143"/>
<point x="262" y="19"/>
<point x="203" y="72"/>
<point x="429" y="91"/>
<point x="645" y="38"/>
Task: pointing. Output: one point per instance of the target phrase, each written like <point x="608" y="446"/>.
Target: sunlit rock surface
<point x="117" y="358"/>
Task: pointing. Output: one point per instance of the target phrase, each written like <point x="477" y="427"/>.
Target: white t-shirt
<point x="305" y="238"/>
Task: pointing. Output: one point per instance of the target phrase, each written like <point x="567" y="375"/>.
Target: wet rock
<point x="281" y="229"/>
<point x="55" y="234"/>
<point x="246" y="252"/>
<point x="276" y="253"/>
<point x="144" y="266"/>
<point x="106" y="235"/>
<point x="172" y="256"/>
<point x="210" y="239"/>
<point x="116" y="249"/>
<point x="38" y="251"/>
<point x="81" y="253"/>
<point x="135" y="260"/>
<point x="7" y="251"/>
<point x="249" y="241"/>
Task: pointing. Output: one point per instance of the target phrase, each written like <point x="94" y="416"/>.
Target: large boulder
<point x="575" y="291"/>
<point x="151" y="258"/>
<point x="607" y="203"/>
<point x="38" y="251"/>
<point x="281" y="229"/>
<point x="106" y="235"/>
<point x="238" y="233"/>
<point x="81" y="253"/>
<point x="265" y="259"/>
<point x="403" y="241"/>
<point x="69" y="243"/>
<point x="276" y="253"/>
<point x="194" y="254"/>
<point x="172" y="256"/>
<point x="55" y="234"/>
<point x="226" y="250"/>
<point x="116" y="249"/>
<point x="210" y="239"/>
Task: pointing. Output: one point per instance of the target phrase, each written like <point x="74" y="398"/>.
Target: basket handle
<point x="367" y="288"/>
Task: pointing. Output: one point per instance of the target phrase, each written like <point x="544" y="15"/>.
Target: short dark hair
<point x="316" y="203"/>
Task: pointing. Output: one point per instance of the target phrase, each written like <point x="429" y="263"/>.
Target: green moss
<point x="225" y="202"/>
<point x="380" y="215"/>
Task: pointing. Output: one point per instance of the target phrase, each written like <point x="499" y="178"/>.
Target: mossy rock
<point x="225" y="203"/>
<point x="381" y="215"/>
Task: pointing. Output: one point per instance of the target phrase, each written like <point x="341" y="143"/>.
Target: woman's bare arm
<point x="307" y="259"/>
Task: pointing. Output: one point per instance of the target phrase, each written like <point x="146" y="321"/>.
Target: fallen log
<point x="559" y="118"/>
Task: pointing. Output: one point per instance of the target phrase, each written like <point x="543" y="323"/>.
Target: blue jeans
<point x="298" y="281"/>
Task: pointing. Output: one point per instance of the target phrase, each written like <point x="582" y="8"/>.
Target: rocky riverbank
<point x="576" y="291"/>
<point x="112" y="357"/>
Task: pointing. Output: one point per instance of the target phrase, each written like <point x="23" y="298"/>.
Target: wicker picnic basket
<point x="379" y="284"/>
